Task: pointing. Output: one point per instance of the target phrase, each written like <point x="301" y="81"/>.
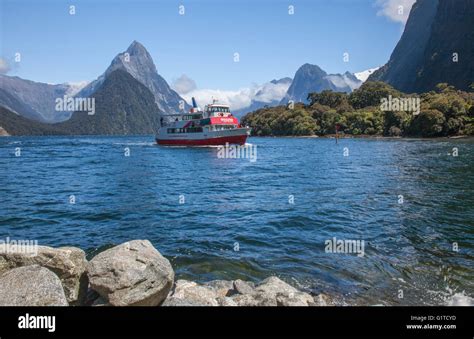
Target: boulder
<point x="321" y="300"/>
<point x="221" y="287"/>
<point x="226" y="301"/>
<point x="270" y="292"/>
<point x="191" y="292"/>
<point x="171" y="301"/>
<point x="243" y="287"/>
<point x="274" y="285"/>
<point x="131" y="274"/>
<point x="294" y="299"/>
<point x="256" y="299"/>
<point x="31" y="286"/>
<point x="68" y="263"/>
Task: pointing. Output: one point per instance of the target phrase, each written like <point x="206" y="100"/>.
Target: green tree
<point x="428" y="123"/>
<point x="371" y="93"/>
<point x="397" y="120"/>
<point x="328" y="98"/>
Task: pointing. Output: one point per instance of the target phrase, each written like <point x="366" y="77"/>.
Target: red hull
<point x="236" y="139"/>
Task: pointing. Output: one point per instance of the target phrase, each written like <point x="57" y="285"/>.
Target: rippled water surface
<point x="237" y="220"/>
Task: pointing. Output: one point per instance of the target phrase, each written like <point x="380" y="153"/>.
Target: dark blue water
<point x="234" y="204"/>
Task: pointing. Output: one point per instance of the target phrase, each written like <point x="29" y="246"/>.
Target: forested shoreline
<point x="441" y="113"/>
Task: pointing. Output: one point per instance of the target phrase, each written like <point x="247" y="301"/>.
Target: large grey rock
<point x="131" y="274"/>
<point x="243" y="287"/>
<point x="221" y="287"/>
<point x="191" y="292"/>
<point x="270" y="292"/>
<point x="31" y="286"/>
<point x="226" y="301"/>
<point x="172" y="301"/>
<point x="274" y="285"/>
<point x="256" y="299"/>
<point x="294" y="299"/>
<point x="69" y="264"/>
<point x="321" y="300"/>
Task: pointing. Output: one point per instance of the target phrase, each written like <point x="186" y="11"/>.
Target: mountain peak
<point x="310" y="66"/>
<point x="311" y="69"/>
<point x="136" y="48"/>
<point x="311" y="78"/>
<point x="137" y="62"/>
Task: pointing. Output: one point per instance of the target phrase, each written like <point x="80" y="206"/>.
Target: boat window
<point x="218" y="109"/>
<point x="194" y="130"/>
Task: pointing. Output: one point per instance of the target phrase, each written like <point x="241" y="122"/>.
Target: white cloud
<point x="395" y="10"/>
<point x="269" y="91"/>
<point x="4" y="66"/>
<point x="237" y="99"/>
<point x="183" y="84"/>
<point x="343" y="80"/>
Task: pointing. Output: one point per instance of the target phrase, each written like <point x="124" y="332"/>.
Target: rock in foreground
<point x="31" y="286"/>
<point x="131" y="274"/>
<point x="68" y="263"/>
<point x="270" y="292"/>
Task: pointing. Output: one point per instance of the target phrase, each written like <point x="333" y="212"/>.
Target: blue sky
<point x="58" y="47"/>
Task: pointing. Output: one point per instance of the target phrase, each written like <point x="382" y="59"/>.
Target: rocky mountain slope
<point x="311" y="78"/>
<point x="14" y="124"/>
<point x="123" y="106"/>
<point x="139" y="64"/>
<point x="424" y="56"/>
<point x="32" y="100"/>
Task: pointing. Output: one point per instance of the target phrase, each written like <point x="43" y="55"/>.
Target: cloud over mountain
<point x="4" y="66"/>
<point x="236" y="99"/>
<point x="392" y="10"/>
<point x="274" y="90"/>
<point x="267" y="93"/>
<point x="183" y="84"/>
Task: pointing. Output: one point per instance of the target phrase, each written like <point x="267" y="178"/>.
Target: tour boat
<point x="212" y="127"/>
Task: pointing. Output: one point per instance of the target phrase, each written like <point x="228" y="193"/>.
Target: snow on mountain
<point x="364" y="75"/>
<point x="75" y="87"/>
